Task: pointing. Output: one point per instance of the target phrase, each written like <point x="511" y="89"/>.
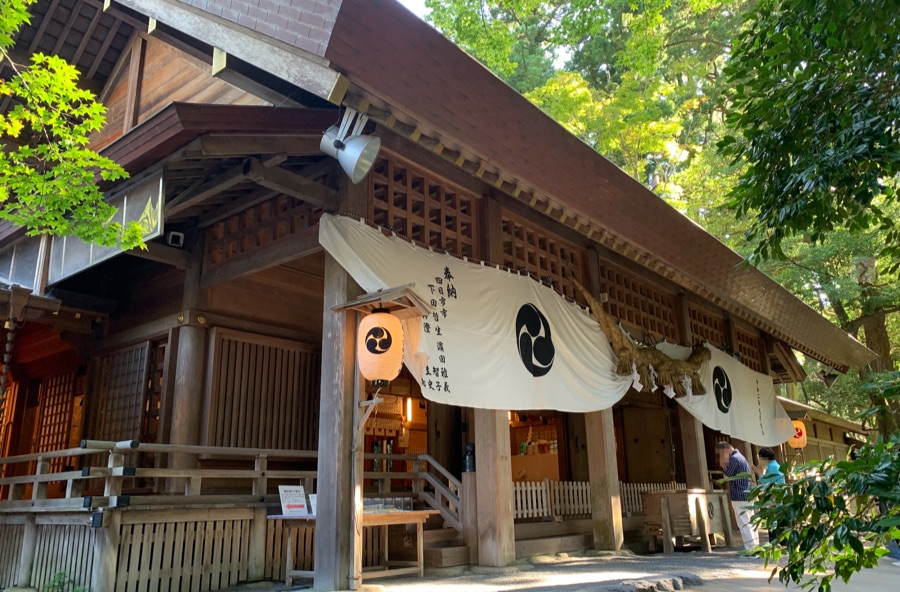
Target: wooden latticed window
<point x="264" y="392"/>
<point x="750" y="348"/>
<point x="552" y="260"/>
<point x="56" y="398"/>
<point x="638" y="303"/>
<point x="259" y="226"/>
<point x="422" y="207"/>
<point x="706" y="326"/>
<point x="121" y="393"/>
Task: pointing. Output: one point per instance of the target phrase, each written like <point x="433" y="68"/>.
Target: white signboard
<point x="293" y="500"/>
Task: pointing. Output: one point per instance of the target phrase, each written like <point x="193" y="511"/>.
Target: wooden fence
<point x="189" y="536"/>
<point x="552" y="499"/>
<point x="541" y="500"/>
<point x="631" y="494"/>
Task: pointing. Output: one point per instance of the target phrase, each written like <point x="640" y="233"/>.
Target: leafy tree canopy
<point x="815" y="113"/>
<point x="48" y="174"/>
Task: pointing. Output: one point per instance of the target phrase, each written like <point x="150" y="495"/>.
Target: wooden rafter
<point x="88" y="34"/>
<point x="195" y="195"/>
<point x="291" y="184"/>
<point x="39" y="34"/>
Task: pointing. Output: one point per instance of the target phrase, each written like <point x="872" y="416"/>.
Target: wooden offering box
<point x="677" y="515"/>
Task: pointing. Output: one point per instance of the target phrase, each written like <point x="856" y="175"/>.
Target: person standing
<point x="733" y="463"/>
<point x="772" y="472"/>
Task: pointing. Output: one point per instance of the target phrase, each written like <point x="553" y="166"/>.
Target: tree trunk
<point x="877" y="340"/>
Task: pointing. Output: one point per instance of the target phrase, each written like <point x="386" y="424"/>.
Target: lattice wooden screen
<point x="121" y="394"/>
<point x="55" y="398"/>
<point x="750" y="348"/>
<point x="706" y="326"/>
<point x="422" y="207"/>
<point x="527" y="247"/>
<point x="636" y="302"/>
<point x="259" y="226"/>
<point x="264" y="392"/>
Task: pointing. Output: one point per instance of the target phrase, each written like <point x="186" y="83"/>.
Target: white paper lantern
<point x="379" y="348"/>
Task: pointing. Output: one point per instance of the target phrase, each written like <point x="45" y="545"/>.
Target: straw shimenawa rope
<point x="653" y="366"/>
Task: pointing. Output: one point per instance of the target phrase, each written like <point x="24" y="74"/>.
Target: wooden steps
<point x="443" y="547"/>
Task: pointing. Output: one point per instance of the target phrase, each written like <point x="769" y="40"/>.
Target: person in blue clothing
<point x="772" y="472"/>
<point x="768" y="474"/>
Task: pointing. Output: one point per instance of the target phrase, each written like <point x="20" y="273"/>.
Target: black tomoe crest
<point x="378" y="340"/>
<point x="722" y="388"/>
<point x="535" y="342"/>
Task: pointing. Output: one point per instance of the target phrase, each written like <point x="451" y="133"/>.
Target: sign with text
<point x="293" y="500"/>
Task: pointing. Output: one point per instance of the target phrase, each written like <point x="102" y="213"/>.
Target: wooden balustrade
<point x="221" y="508"/>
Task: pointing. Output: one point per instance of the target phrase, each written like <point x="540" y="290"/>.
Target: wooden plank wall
<point x="264" y="392"/>
<point x="178" y="552"/>
<point x="65" y="549"/>
<point x="10" y="549"/>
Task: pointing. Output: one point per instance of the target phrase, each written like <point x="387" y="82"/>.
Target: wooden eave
<point x="797" y="410"/>
<point x="180" y="123"/>
<point x="414" y="81"/>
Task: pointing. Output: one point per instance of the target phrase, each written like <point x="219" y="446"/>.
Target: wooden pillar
<point x="190" y="358"/>
<point x="470" y="513"/>
<point x="106" y="552"/>
<point x="187" y="393"/>
<point x="606" y="503"/>
<point x="693" y="450"/>
<point x="576" y="440"/>
<point x="336" y="410"/>
<point x="29" y="548"/>
<point x="496" y="534"/>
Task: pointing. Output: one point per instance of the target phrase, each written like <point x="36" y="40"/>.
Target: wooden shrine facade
<point x="217" y="352"/>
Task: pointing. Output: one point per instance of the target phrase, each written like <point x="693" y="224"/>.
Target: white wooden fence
<point x="552" y="499"/>
<point x="572" y="499"/>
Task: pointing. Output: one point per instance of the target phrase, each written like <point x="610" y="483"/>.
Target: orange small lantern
<point x="799" y="439"/>
<point x="379" y="348"/>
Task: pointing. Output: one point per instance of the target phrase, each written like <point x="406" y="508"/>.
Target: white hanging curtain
<point x="497" y="340"/>
<point x="739" y="401"/>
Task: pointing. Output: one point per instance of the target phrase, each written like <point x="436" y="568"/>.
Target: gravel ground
<point x="573" y="572"/>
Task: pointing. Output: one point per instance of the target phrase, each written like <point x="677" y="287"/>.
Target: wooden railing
<point x="631" y="494"/>
<point x="543" y="500"/>
<point x="222" y="508"/>
<point x="431" y="483"/>
<point x="552" y="499"/>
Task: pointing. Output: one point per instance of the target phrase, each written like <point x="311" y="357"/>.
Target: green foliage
<point x="815" y="91"/>
<point x="827" y="520"/>
<point x="48" y="174"/>
<point x="61" y="582"/>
